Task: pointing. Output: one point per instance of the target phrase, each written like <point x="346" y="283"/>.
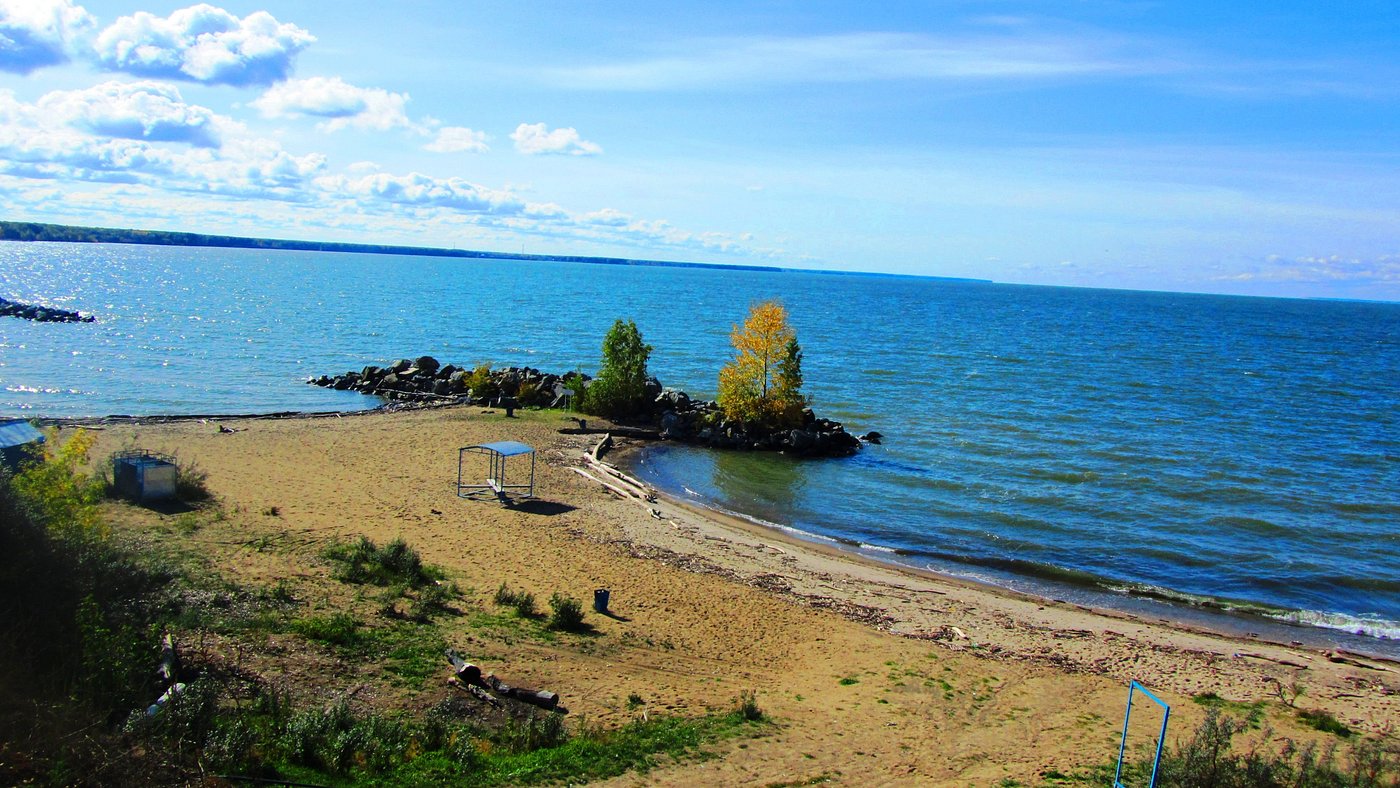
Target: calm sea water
<point x="1233" y="452"/>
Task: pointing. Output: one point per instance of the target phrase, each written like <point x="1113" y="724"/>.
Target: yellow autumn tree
<point x="763" y="383"/>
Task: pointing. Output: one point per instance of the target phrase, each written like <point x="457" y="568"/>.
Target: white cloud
<point x="38" y="33"/>
<point x="1383" y="270"/>
<point x="144" y="133"/>
<point x="418" y="190"/>
<point x="458" y="139"/>
<point x="342" y="105"/>
<point x="537" y="139"/>
<point x="202" y="44"/>
<point x="136" y="110"/>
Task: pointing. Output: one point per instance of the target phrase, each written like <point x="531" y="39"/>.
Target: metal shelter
<point x="17" y="441"/>
<point x="496" y="484"/>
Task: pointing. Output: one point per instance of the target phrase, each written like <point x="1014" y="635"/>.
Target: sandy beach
<point x="874" y="675"/>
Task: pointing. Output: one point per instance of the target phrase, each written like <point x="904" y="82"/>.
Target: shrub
<point x="1208" y="759"/>
<point x="747" y="707"/>
<point x="394" y="564"/>
<point x="481" y="382"/>
<point x="522" y="601"/>
<point x="191" y="482"/>
<point x="566" y="613"/>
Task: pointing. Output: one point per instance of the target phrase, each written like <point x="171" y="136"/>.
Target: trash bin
<point x="600" y="599"/>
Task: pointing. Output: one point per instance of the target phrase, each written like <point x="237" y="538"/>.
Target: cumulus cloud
<point x="418" y="190"/>
<point x="341" y="104"/>
<point x="144" y="133"/>
<point x="38" y="33"/>
<point x="457" y="139"/>
<point x="202" y="44"/>
<point x="536" y="139"/>
<point x="137" y="111"/>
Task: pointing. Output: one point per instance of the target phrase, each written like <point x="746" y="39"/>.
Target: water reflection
<point x="770" y="483"/>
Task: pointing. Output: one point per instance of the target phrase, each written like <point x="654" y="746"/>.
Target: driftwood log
<point x="469" y="679"/>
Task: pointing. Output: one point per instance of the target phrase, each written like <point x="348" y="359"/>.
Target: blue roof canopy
<point x="17" y="432"/>
<point x="506" y="448"/>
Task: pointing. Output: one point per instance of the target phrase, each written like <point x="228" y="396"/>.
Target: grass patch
<point x="1322" y="721"/>
<point x="338" y="629"/>
<point x="1209" y="758"/>
<point x="363" y="562"/>
<point x="1253" y="713"/>
<point x="522" y="601"/>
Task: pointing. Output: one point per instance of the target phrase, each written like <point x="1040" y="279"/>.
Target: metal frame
<point x="496" y="484"/>
<point x="1161" y="737"/>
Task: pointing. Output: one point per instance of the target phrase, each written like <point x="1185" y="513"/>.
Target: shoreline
<point x="1215" y="616"/>
<point x="935" y="680"/>
<point x="1223" y="622"/>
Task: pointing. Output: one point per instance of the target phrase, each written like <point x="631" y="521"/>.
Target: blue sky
<point x="1216" y="147"/>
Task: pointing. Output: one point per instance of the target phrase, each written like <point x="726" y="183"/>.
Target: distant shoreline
<point x="63" y="233"/>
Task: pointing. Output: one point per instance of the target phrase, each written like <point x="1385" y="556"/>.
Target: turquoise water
<point x="1243" y="452"/>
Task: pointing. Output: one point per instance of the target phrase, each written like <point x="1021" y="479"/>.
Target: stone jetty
<point x="671" y="413"/>
<point x="41" y="314"/>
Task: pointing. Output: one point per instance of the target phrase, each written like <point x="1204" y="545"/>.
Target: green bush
<point x="1208" y="760"/>
<point x="566" y="613"/>
<point x="522" y="601"/>
<point x="481" y="382"/>
<point x="395" y="564"/>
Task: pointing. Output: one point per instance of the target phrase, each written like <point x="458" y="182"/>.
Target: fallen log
<point x="169" y="668"/>
<point x="475" y="691"/>
<point x="542" y="698"/>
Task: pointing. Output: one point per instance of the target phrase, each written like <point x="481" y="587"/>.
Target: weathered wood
<point x="169" y="668"/>
<point x="603" y="446"/>
<point x="475" y="691"/>
<point x="542" y="698"/>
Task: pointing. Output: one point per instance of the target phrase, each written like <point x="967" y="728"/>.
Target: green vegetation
<point x="394" y="564"/>
<point x="522" y="601"/>
<point x="1209" y="759"/>
<point x="1322" y="721"/>
<point x="566" y="614"/>
<point x="81" y="613"/>
<point x="620" y="388"/>
<point x="763" y="383"/>
<point x="480" y="382"/>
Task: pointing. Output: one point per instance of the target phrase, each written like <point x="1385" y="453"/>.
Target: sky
<point x="1229" y="147"/>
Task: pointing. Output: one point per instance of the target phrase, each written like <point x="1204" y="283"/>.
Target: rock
<point x="427" y="364"/>
<point x="872" y="437"/>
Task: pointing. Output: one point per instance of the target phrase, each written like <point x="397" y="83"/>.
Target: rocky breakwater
<point x="701" y="423"/>
<point x="424" y="379"/>
<point x="41" y="314"/>
<point x="672" y="413"/>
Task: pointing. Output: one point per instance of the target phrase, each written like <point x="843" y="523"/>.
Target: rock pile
<point x="425" y="380"/>
<point x="676" y="416"/>
<point x="41" y="314"/>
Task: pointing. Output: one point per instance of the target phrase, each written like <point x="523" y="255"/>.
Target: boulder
<point x="427" y="364"/>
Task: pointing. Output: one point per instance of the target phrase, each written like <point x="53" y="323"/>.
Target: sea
<point x="1225" y="459"/>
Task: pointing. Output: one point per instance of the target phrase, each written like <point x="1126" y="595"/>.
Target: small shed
<point x="490" y="460"/>
<point x="19" y="440"/>
<point x="144" y="476"/>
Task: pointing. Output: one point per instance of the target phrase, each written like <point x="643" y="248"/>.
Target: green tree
<point x="763" y="383"/>
<point x="620" y="388"/>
